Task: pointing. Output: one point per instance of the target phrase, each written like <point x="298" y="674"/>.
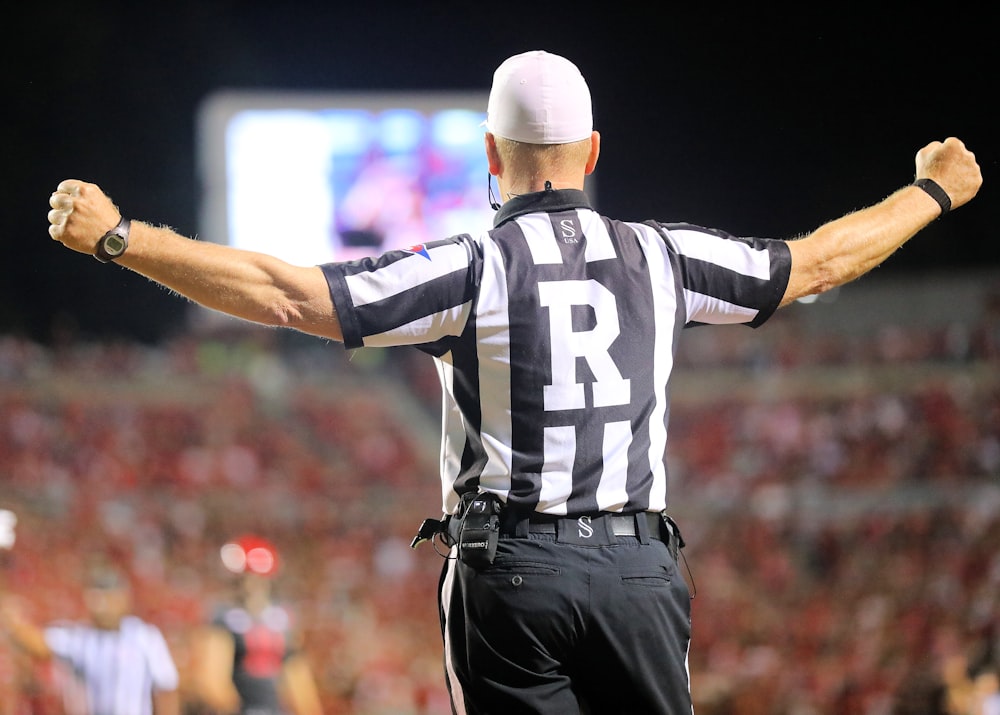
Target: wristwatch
<point x="113" y="244"/>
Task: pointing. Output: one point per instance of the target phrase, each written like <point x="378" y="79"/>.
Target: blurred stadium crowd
<point x="839" y="493"/>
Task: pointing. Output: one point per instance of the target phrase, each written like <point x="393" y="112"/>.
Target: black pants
<point x="561" y="629"/>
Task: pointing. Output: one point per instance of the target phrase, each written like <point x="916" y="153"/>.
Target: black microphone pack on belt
<point x="479" y="530"/>
<point x="475" y="528"/>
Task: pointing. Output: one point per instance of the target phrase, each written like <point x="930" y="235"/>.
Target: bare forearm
<point x="212" y="674"/>
<point x="166" y="702"/>
<point x="248" y="285"/>
<point x="300" y="687"/>
<point x="24" y="634"/>
<point x="849" y="247"/>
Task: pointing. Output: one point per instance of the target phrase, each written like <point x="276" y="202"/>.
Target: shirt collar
<point x="549" y="200"/>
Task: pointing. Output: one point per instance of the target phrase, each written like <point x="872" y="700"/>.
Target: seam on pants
<point x="447" y="590"/>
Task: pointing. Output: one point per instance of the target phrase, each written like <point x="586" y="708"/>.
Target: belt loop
<point x="641" y="527"/>
<point x="513" y="523"/>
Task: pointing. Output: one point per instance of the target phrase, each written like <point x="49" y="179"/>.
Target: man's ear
<point x="492" y="155"/>
<point x="595" y="151"/>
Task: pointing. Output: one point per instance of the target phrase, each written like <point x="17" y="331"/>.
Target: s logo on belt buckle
<point x="583" y="530"/>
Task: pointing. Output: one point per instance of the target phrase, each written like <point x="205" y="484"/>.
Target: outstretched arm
<point x="246" y="284"/>
<point x="25" y="634"/>
<point x="844" y="249"/>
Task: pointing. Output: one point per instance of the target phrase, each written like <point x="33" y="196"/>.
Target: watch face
<point x="114" y="245"/>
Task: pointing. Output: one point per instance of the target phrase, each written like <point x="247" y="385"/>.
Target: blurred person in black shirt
<point x="247" y="657"/>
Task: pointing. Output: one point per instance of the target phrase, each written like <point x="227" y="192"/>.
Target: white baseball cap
<point x="539" y="98"/>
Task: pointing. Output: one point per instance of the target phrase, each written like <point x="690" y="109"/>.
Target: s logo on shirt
<point x="567" y="231"/>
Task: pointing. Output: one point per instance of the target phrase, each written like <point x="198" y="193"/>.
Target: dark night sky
<point x="749" y="120"/>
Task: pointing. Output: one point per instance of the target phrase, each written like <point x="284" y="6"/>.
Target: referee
<point x="115" y="664"/>
<point x="554" y="334"/>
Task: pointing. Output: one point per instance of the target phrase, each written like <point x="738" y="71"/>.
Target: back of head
<point x="539" y="98"/>
<point x="107" y="595"/>
<point x="106" y="577"/>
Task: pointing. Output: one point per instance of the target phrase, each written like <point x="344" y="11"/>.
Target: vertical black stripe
<point x="629" y="280"/>
<point x="530" y="366"/>
<point x="465" y="363"/>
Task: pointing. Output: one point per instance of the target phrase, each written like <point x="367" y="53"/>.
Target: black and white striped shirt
<point x="554" y="335"/>
<point x="112" y="672"/>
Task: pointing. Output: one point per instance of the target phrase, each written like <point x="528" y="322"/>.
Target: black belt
<point x="618" y="524"/>
<point x="600" y="529"/>
<point x="586" y="529"/>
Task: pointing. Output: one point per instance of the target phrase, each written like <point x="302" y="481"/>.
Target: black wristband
<point x="935" y="191"/>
